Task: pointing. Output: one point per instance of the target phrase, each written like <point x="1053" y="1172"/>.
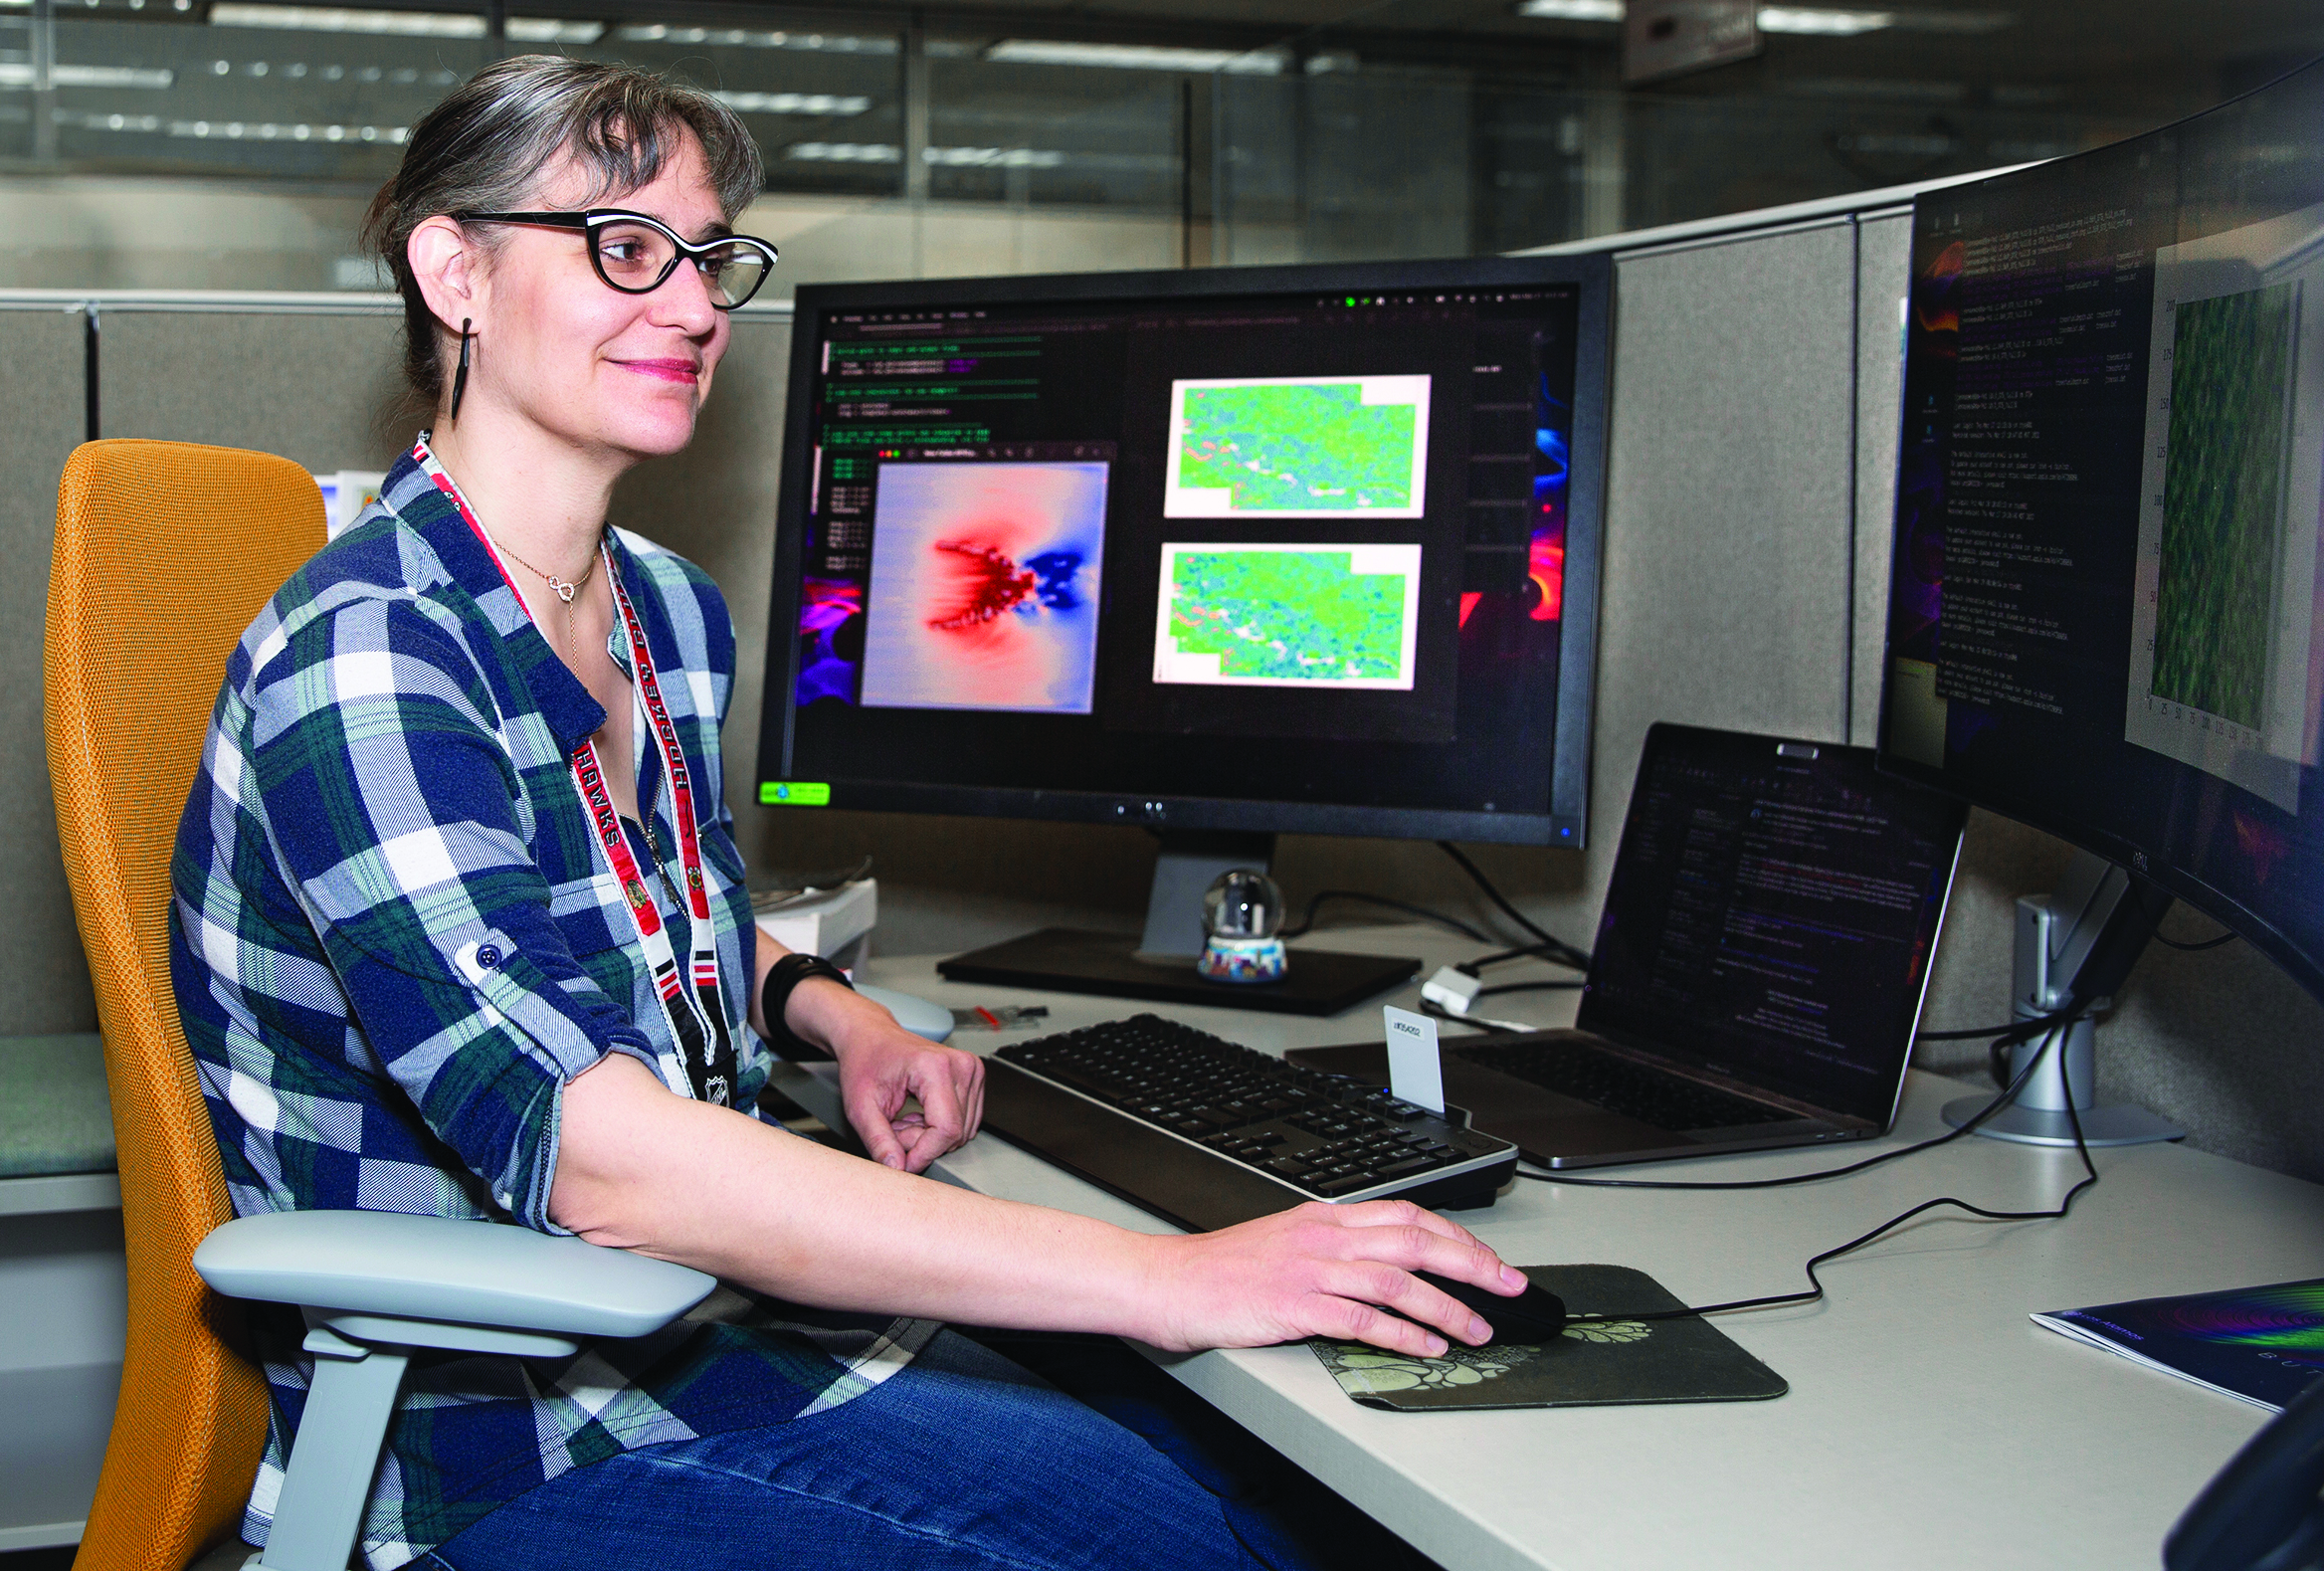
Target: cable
<point x="1531" y="951"/>
<point x="1577" y="958"/>
<point x="2044" y="1022"/>
<point x="1560" y="985"/>
<point x="1816" y="1288"/>
<point x="1491" y="1027"/>
<point x="1307" y="922"/>
<point x="2195" y="949"/>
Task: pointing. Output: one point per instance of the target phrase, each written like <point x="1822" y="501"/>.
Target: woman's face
<point x="582" y="361"/>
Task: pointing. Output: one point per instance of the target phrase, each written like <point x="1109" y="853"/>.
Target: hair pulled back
<point x="484" y="147"/>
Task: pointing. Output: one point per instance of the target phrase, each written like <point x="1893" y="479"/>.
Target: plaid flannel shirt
<point x="396" y="941"/>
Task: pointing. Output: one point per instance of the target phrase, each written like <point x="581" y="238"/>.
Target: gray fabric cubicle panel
<point x="1724" y="597"/>
<point x="45" y="987"/>
<point x="318" y="387"/>
<point x="1728" y="511"/>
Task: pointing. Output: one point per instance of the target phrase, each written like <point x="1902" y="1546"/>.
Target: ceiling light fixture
<point x="551" y="29"/>
<point x="1573" y="10"/>
<point x="1137" y="57"/>
<point x="751" y="38"/>
<point x="338" y="19"/>
<point x="1806" y="23"/>
<point x="14" y="74"/>
<point x="793" y="102"/>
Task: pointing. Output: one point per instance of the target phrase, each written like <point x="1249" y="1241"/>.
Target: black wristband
<point x="785" y="975"/>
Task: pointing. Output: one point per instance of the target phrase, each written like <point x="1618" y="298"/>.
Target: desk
<point x="1929" y="1423"/>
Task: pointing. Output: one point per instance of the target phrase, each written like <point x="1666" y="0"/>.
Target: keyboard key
<point x="1668" y="1101"/>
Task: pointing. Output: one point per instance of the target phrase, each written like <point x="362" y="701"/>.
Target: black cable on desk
<point x="1577" y="958"/>
<point x="1307" y="922"/>
<point x="1815" y="1289"/>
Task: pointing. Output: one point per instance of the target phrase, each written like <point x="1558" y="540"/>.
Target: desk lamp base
<point x="2118" y="1123"/>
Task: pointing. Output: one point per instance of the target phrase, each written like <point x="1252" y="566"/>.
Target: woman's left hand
<point x="884" y="1070"/>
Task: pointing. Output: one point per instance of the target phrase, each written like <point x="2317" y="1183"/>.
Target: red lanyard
<point x="697" y="1013"/>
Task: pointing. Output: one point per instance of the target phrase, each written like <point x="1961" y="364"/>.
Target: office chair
<point x="165" y="553"/>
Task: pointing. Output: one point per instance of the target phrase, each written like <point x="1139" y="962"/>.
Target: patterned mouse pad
<point x="1593" y="1364"/>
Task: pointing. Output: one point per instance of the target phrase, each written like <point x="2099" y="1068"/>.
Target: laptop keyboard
<point x="1668" y="1101"/>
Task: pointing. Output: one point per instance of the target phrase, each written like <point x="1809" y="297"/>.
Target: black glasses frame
<point x="590" y="222"/>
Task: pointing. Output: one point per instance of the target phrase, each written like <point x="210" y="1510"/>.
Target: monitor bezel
<point x="1566" y="822"/>
<point x="2179" y="883"/>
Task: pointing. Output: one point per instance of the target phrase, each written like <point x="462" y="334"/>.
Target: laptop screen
<point x="1772" y="915"/>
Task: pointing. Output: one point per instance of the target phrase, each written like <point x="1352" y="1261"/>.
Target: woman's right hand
<point x="1320" y="1271"/>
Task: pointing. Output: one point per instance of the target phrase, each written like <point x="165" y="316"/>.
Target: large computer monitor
<point x="1221" y="552"/>
<point x="2106" y="616"/>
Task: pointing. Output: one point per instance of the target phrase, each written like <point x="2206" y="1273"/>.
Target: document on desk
<point x="2262" y="1345"/>
<point x="1595" y="1363"/>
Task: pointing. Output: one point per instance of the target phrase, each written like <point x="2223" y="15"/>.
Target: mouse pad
<point x="1600" y="1363"/>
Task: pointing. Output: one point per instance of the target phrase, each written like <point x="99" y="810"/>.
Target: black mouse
<point x="1532" y="1318"/>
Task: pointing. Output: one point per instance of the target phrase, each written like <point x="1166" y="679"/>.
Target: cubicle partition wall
<point x="1753" y="442"/>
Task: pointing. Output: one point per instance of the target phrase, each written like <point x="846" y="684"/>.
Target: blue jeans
<point x="964" y="1461"/>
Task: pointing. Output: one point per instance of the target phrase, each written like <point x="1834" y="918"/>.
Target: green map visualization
<point x="2223" y="500"/>
<point x="1295" y="616"/>
<point x="1298" y="447"/>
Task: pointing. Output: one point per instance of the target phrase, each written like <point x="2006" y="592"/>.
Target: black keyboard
<point x="1204" y="1133"/>
<point x="1668" y="1101"/>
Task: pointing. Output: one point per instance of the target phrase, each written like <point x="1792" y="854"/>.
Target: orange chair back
<point x="165" y="553"/>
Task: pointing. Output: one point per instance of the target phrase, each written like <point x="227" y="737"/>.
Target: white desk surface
<point x="1929" y="1423"/>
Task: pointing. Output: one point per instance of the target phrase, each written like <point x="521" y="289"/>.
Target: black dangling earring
<point x="459" y="377"/>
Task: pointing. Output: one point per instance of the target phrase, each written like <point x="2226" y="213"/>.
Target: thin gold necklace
<point x="563" y="590"/>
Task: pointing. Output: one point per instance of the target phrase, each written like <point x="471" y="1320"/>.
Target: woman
<point x="462" y="932"/>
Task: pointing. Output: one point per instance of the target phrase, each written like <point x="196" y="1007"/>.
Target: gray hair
<point x="482" y="148"/>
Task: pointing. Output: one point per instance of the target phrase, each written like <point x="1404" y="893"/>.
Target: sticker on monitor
<point x="1298" y="447"/>
<point x="984" y="587"/>
<point x="1288" y="615"/>
<point x="2224" y="668"/>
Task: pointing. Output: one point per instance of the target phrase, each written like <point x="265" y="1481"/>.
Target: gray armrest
<point x="488" y="1274"/>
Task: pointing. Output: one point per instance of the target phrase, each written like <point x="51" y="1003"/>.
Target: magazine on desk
<point x="2262" y="1345"/>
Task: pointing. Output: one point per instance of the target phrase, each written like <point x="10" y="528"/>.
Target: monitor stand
<point x="1160" y="964"/>
<point x="2089" y="933"/>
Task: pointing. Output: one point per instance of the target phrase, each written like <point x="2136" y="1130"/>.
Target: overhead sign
<point x="1668" y="38"/>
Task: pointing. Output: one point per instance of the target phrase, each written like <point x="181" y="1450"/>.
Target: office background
<point x="149" y="147"/>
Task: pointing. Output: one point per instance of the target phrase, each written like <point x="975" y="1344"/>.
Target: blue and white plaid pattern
<point x="395" y="942"/>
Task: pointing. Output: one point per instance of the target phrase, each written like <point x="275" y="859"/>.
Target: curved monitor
<point x="2106" y="611"/>
<point x="1304" y="549"/>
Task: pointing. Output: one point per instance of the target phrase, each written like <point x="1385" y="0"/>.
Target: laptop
<point x="1758" y="974"/>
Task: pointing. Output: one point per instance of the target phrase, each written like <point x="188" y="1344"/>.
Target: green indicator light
<point x="794" y="793"/>
<point x="1351" y="299"/>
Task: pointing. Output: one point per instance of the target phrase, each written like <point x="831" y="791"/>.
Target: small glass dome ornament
<point x="1243" y="911"/>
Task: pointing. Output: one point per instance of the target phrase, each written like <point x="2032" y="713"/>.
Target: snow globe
<point x="1242" y="913"/>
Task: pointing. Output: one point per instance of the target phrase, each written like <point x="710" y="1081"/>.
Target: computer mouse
<point x="916" y="1015"/>
<point x="1532" y="1318"/>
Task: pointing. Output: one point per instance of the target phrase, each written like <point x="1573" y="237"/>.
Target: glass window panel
<point x="1384" y="156"/>
<point x="181" y="96"/>
<point x="15" y="84"/>
<point x="824" y="108"/>
<point x="1089" y="136"/>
